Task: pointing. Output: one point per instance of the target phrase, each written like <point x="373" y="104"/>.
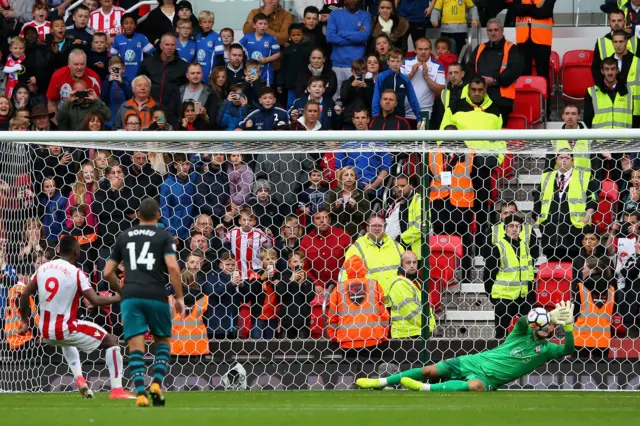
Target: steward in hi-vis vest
<point x="534" y="34"/>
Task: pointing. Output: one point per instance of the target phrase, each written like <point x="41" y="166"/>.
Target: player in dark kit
<point x="148" y="253"/>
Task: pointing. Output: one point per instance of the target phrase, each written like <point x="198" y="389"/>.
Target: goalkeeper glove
<point x="562" y="314"/>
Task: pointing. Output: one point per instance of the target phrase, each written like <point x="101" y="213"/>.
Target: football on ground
<point x="323" y="408"/>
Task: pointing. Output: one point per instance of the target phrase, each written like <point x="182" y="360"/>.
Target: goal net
<point x="463" y="231"/>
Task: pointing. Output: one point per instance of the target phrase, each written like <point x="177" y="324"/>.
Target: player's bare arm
<point x="176" y="281"/>
<point x="99" y="300"/>
<point x="110" y="275"/>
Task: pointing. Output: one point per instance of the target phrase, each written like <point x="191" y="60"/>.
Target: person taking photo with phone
<point x="205" y="103"/>
<point x="116" y="87"/>
<point x="81" y="102"/>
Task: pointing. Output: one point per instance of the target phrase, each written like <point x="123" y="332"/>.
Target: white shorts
<point x="86" y="338"/>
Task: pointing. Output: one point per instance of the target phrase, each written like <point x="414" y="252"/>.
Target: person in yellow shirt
<point x="451" y="16"/>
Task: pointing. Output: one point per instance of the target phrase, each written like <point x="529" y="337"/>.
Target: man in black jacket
<point x="212" y="194"/>
<point x="142" y="179"/>
<point x="604" y="45"/>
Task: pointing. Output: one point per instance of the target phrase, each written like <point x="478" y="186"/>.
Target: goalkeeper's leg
<point x="416" y="374"/>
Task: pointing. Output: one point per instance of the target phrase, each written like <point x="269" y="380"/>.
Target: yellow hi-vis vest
<point x="382" y="262"/>
<point x="404" y="302"/>
<point x="576" y="196"/>
<point x="445" y="96"/>
<point x="611" y="115"/>
<point x="515" y="271"/>
<point x="498" y="233"/>
<point x="413" y="235"/>
<point x="580" y="151"/>
<point x="605" y="46"/>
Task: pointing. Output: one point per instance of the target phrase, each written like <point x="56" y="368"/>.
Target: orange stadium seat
<point x="575" y="74"/>
<point x="607" y="205"/>
<point x="531" y="95"/>
<point x="446" y="252"/>
<point x="553" y="283"/>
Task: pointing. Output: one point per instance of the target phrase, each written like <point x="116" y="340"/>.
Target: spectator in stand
<point x="227" y="37"/>
<point x="288" y="240"/>
<point x="208" y="245"/>
<point x="92" y="122"/>
<point x="32" y="244"/>
<point x="57" y="162"/>
<point x="348" y="31"/>
<point x="317" y="68"/>
<point x="58" y="43"/>
<point x="591" y="245"/>
<point x="310" y="119"/>
<point x="599" y="100"/>
<point x="218" y="82"/>
<point x="414" y="11"/>
<point x="427" y="79"/>
<point x="186" y="46"/>
<point x="141" y="104"/>
<point x="143" y="181"/>
<point x="40" y="13"/>
<point x="116" y="88"/>
<point x="132" y="123"/>
<point x="41" y="118"/>
<point x="51" y="210"/>
<point x="284" y="173"/>
<point x="604" y="45"/>
<point x="107" y="19"/>
<point x="225" y="288"/>
<point x="268" y="117"/>
<point x="21" y="99"/>
<point x="235" y="65"/>
<point x="295" y="57"/>
<point x="324" y="249"/>
<point x="455" y="89"/>
<point x="453" y="20"/>
<point x="160" y="21"/>
<point x="262" y="47"/>
<point x="295" y="292"/>
<point x="63" y="80"/>
<point x="279" y="20"/>
<point x="213" y="195"/>
<point x="404" y="216"/>
<point x="6" y="112"/>
<point x="81" y="101"/>
<point x="388" y="118"/>
<point x="499" y="63"/>
<point x="159" y="122"/>
<point x="176" y="197"/>
<point x="80" y="34"/>
<point x="348" y="204"/>
<point x="91" y="5"/>
<point x="443" y="53"/>
<point x="311" y="198"/>
<point x="629" y="287"/>
<point x="631" y="11"/>
<point x="630" y="195"/>
<point x="167" y="73"/>
<point x="83" y="194"/>
<point x="208" y="45"/>
<point x="330" y="114"/>
<point x="185" y="12"/>
<point x="267" y="207"/>
<point x="87" y="238"/>
<point x="200" y="93"/>
<point x="101" y="160"/>
<point x="131" y="46"/>
<point x="382" y="48"/>
<point x="192" y="120"/>
<point x="373" y="68"/>
<point x="240" y="180"/>
<point x="356" y="92"/>
<point x="388" y="22"/>
<point x="563" y="206"/>
<point x="233" y="109"/>
<point x="314" y="23"/>
<point x="263" y="296"/>
<point x="38" y="66"/>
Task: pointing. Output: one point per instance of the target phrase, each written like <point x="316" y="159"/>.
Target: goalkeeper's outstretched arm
<point x="563" y="315"/>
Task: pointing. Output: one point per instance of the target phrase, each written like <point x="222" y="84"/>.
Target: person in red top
<point x="324" y="250"/>
<point x="40" y="23"/>
<point x="62" y="81"/>
<point x="107" y="19"/>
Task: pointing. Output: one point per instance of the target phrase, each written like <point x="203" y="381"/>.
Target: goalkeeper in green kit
<point x="524" y="350"/>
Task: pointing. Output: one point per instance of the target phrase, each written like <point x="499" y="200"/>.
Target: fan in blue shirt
<point x="208" y="45"/>
<point x="262" y="47"/>
<point x="131" y="47"/>
<point x="186" y="46"/>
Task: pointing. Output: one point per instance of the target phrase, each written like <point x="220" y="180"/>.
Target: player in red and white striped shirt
<point x="246" y="241"/>
<point x="59" y="284"/>
<point x="40" y="23"/>
<point x="107" y="19"/>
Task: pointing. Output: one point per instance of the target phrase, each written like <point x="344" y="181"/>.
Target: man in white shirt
<point x="427" y="78"/>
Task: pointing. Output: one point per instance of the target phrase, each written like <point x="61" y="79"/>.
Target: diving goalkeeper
<point x="524" y="350"/>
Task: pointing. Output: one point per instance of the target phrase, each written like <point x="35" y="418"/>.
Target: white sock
<point x="383" y="382"/>
<point x="72" y="356"/>
<point x="114" y="363"/>
<point x="426" y="387"/>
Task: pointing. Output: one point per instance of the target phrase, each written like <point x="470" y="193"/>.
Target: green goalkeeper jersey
<point x="518" y="356"/>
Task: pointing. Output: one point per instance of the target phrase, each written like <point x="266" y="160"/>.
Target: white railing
<point x="70" y="9"/>
<point x="142" y="3"/>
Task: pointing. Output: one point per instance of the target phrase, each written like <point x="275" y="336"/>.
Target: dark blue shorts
<point x="140" y="315"/>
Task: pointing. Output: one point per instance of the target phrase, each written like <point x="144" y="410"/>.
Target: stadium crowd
<point x="272" y="230"/>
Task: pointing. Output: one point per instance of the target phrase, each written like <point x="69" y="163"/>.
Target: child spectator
<point x="6" y="111"/>
<point x="40" y="23"/>
<point x="295" y="292"/>
<point x="288" y="241"/>
<point x="373" y="68"/>
<point x="98" y="58"/>
<point x="218" y="82"/>
<point x="444" y="55"/>
<point x="208" y="44"/>
<point x="382" y="48"/>
<point x="58" y="43"/>
<point x="311" y="199"/>
<point x="80" y="34"/>
<point x="107" y="19"/>
<point x="356" y="92"/>
<point x="13" y="66"/>
<point x="226" y="36"/>
<point x="399" y="83"/>
<point x="240" y="180"/>
<point x="294" y="58"/>
<point x="233" y="109"/>
<point x="226" y="290"/>
<point x="268" y="207"/>
<point x="176" y="197"/>
<point x="52" y="210"/>
<point x="451" y="16"/>
<point x="630" y="196"/>
<point x="86" y="236"/>
<point x="185" y="12"/>
<point x="330" y="114"/>
<point x="268" y="117"/>
<point x="116" y="88"/>
<point x="264" y="300"/>
<point x="131" y="46"/>
<point x="313" y="34"/>
<point x="262" y="47"/>
<point x="186" y="46"/>
<point x="82" y="193"/>
<point x="252" y="84"/>
<point x="246" y="241"/>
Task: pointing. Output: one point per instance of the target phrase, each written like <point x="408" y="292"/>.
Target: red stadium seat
<point x="575" y="74"/>
<point x="554" y="283"/>
<point x="317" y="322"/>
<point x="607" y="205"/>
<point x="446" y="252"/>
<point x="519" y="121"/>
<point x="244" y="321"/>
<point x="531" y="96"/>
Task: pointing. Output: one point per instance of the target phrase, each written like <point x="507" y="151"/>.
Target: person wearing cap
<point x="509" y="273"/>
<point x="185" y="11"/>
<point x="41" y="119"/>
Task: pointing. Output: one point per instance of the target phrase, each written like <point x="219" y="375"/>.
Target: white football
<point x="538" y="318"/>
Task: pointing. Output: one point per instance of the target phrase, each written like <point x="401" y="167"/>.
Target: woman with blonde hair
<point x="348" y="204"/>
<point x="288" y="241"/>
<point x="82" y="192"/>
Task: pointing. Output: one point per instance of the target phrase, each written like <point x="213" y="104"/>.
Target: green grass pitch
<point x="328" y="408"/>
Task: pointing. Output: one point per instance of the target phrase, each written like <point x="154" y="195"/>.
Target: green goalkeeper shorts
<point x="463" y="368"/>
<point x="140" y="315"/>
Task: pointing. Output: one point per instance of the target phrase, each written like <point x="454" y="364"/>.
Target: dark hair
<point x="79" y="8"/>
<point x="266" y="91"/>
<point x="314" y="79"/>
<point x="128" y="15"/>
<point x="178" y="156"/>
<point x="149" y="209"/>
<point x="228" y="29"/>
<point x="236" y="46"/>
<point x="386" y="37"/>
<point x="310" y="9"/>
<point x="296" y="27"/>
<point x="100" y="34"/>
<point x="635" y="214"/>
<point x="57" y="18"/>
<point x="622" y="33"/>
<point x="185" y="105"/>
<point x="608" y="61"/>
<point x="445" y="40"/>
<point x="82" y="209"/>
<point x="260" y="17"/>
<point x="225" y="255"/>
<point x="615" y="11"/>
<point x="394" y="14"/>
<point x="456" y="64"/>
<point x="361" y="108"/>
<point x="68" y="245"/>
<point x="90" y="116"/>
<point x="235" y="88"/>
<point x="480" y="80"/>
<point x="569" y="105"/>
<point x="159" y="108"/>
<point x="450" y="127"/>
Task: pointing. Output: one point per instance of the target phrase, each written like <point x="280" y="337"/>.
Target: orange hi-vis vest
<point x="593" y="327"/>
<point x="86" y="239"/>
<point x="357" y="317"/>
<point x="508" y="91"/>
<point x="539" y="30"/>
<point x="12" y="318"/>
<point x="270" y="307"/>
<point x="460" y="192"/>
<point x="188" y="333"/>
